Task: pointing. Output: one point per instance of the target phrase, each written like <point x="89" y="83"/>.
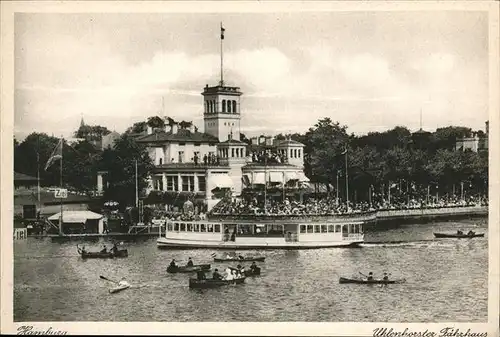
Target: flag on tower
<point x="56" y="154"/>
<point x="222" y="30"/>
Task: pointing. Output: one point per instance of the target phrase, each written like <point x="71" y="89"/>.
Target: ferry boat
<point x="267" y="232"/>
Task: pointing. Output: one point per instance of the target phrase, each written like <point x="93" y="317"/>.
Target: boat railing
<point x="360" y="216"/>
<point x="353" y="237"/>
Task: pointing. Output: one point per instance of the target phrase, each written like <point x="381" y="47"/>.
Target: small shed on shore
<point x="79" y="222"/>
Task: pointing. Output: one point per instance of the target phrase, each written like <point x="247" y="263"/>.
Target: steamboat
<point x="266" y="232"/>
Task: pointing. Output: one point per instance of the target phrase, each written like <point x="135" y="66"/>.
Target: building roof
<point x="233" y="141"/>
<point x="76" y="216"/>
<point x="188" y="166"/>
<point x="289" y="142"/>
<point x="182" y="135"/>
<point x="23" y="177"/>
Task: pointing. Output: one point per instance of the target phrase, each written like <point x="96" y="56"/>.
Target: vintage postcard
<point x="250" y="168"/>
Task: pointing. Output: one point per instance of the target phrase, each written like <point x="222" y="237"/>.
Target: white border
<point x="289" y="328"/>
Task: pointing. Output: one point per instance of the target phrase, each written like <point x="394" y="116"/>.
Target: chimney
<point x="175" y="128"/>
<point x="149" y="130"/>
<point x="487" y="127"/>
<point x="192" y="128"/>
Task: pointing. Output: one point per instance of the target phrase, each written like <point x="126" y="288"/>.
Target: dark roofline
<point x="182" y="136"/>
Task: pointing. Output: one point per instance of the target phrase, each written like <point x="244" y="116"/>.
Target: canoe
<point x="210" y="283"/>
<point x="119" y="288"/>
<point x="248" y="258"/>
<point x="458" y="236"/>
<point x="186" y="269"/>
<point x="358" y="281"/>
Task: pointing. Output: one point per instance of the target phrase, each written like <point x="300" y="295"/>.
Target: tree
<point x="119" y="163"/>
<point x="80" y="166"/>
<point x="138" y="127"/>
<point x="156" y="122"/>
<point x="323" y="145"/>
<point x="445" y="138"/>
<point x="91" y="132"/>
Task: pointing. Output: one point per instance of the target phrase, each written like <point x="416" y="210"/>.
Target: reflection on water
<point x="446" y="281"/>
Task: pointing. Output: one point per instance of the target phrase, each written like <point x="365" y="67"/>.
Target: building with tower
<point x="216" y="160"/>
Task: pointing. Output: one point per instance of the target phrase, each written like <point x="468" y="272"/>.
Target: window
<point x="201" y="183"/>
<point x="234" y="107"/>
<point x="299" y="153"/>
<point x="223" y="105"/>
<point x="210" y="228"/>
<point x="228" y="106"/>
<point x="185" y="184"/>
<point x="310" y="229"/>
<point x="316" y="229"/>
<point x="176" y="227"/>
<point x="183" y="227"/>
<point x="189" y="227"/>
<point x="203" y="228"/>
<point x="181" y="156"/>
<point x="160" y="161"/>
<point x="217" y="228"/>
<point x="331" y="228"/>
<point x="323" y="229"/>
<point x="172" y="183"/>
<point x="169" y="227"/>
<point x="302" y="228"/>
<point x="196" y="227"/>
<point x="337" y="228"/>
<point x="191" y="184"/>
<point x="232" y="153"/>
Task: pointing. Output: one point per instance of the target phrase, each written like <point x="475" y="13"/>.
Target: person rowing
<point x="190" y="263"/>
<point x="386" y="277"/>
<point x="216" y="275"/>
<point x="114" y="249"/>
<point x="369" y="277"/>
<point x="200" y="275"/>
<point x="172" y="264"/>
<point x="253" y="267"/>
<point x="459" y="232"/>
<point x="123" y="283"/>
<point x="471" y="233"/>
<point x="104" y="249"/>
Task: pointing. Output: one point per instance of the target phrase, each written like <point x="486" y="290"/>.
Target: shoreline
<point x="380" y="219"/>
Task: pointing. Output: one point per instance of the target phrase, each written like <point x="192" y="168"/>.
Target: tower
<point x="221" y="114"/>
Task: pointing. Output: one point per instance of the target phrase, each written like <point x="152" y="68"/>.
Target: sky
<point x="370" y="71"/>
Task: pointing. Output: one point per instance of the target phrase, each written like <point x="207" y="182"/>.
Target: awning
<point x="291" y="176"/>
<point x="220" y="181"/>
<point x="259" y="178"/>
<point x="275" y="177"/>
<point x="76" y="216"/>
<point x="302" y="177"/>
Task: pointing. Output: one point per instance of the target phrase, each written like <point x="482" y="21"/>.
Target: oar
<point x="107" y="279"/>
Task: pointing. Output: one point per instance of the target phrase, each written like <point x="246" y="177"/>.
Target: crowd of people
<point x="329" y="205"/>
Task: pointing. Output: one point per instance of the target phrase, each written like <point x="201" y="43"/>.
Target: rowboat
<point x="210" y="283"/>
<point x="102" y="255"/>
<point x="458" y="236"/>
<point x="118" y="288"/>
<point x="358" y="281"/>
<point x="252" y="272"/>
<point x="188" y="269"/>
<point x="240" y="259"/>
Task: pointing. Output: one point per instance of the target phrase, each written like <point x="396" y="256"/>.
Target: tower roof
<point x="221" y="89"/>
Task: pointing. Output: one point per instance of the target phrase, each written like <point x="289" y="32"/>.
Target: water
<point x="446" y="281"/>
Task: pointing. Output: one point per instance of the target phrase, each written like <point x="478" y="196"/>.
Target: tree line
<point x="374" y="160"/>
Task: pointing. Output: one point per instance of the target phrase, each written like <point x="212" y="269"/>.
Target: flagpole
<point x="38" y="170"/>
<point x="221" y="55"/>
<point x="136" y="187"/>
<point x="346" y="181"/>
<point x="61" y="183"/>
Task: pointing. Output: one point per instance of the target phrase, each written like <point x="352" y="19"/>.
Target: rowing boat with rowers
<point x="210" y="283"/>
<point x="359" y="281"/>
<point x="188" y="269"/>
<point x="240" y="258"/>
<point x="458" y="236"/>
<point x="101" y="255"/>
